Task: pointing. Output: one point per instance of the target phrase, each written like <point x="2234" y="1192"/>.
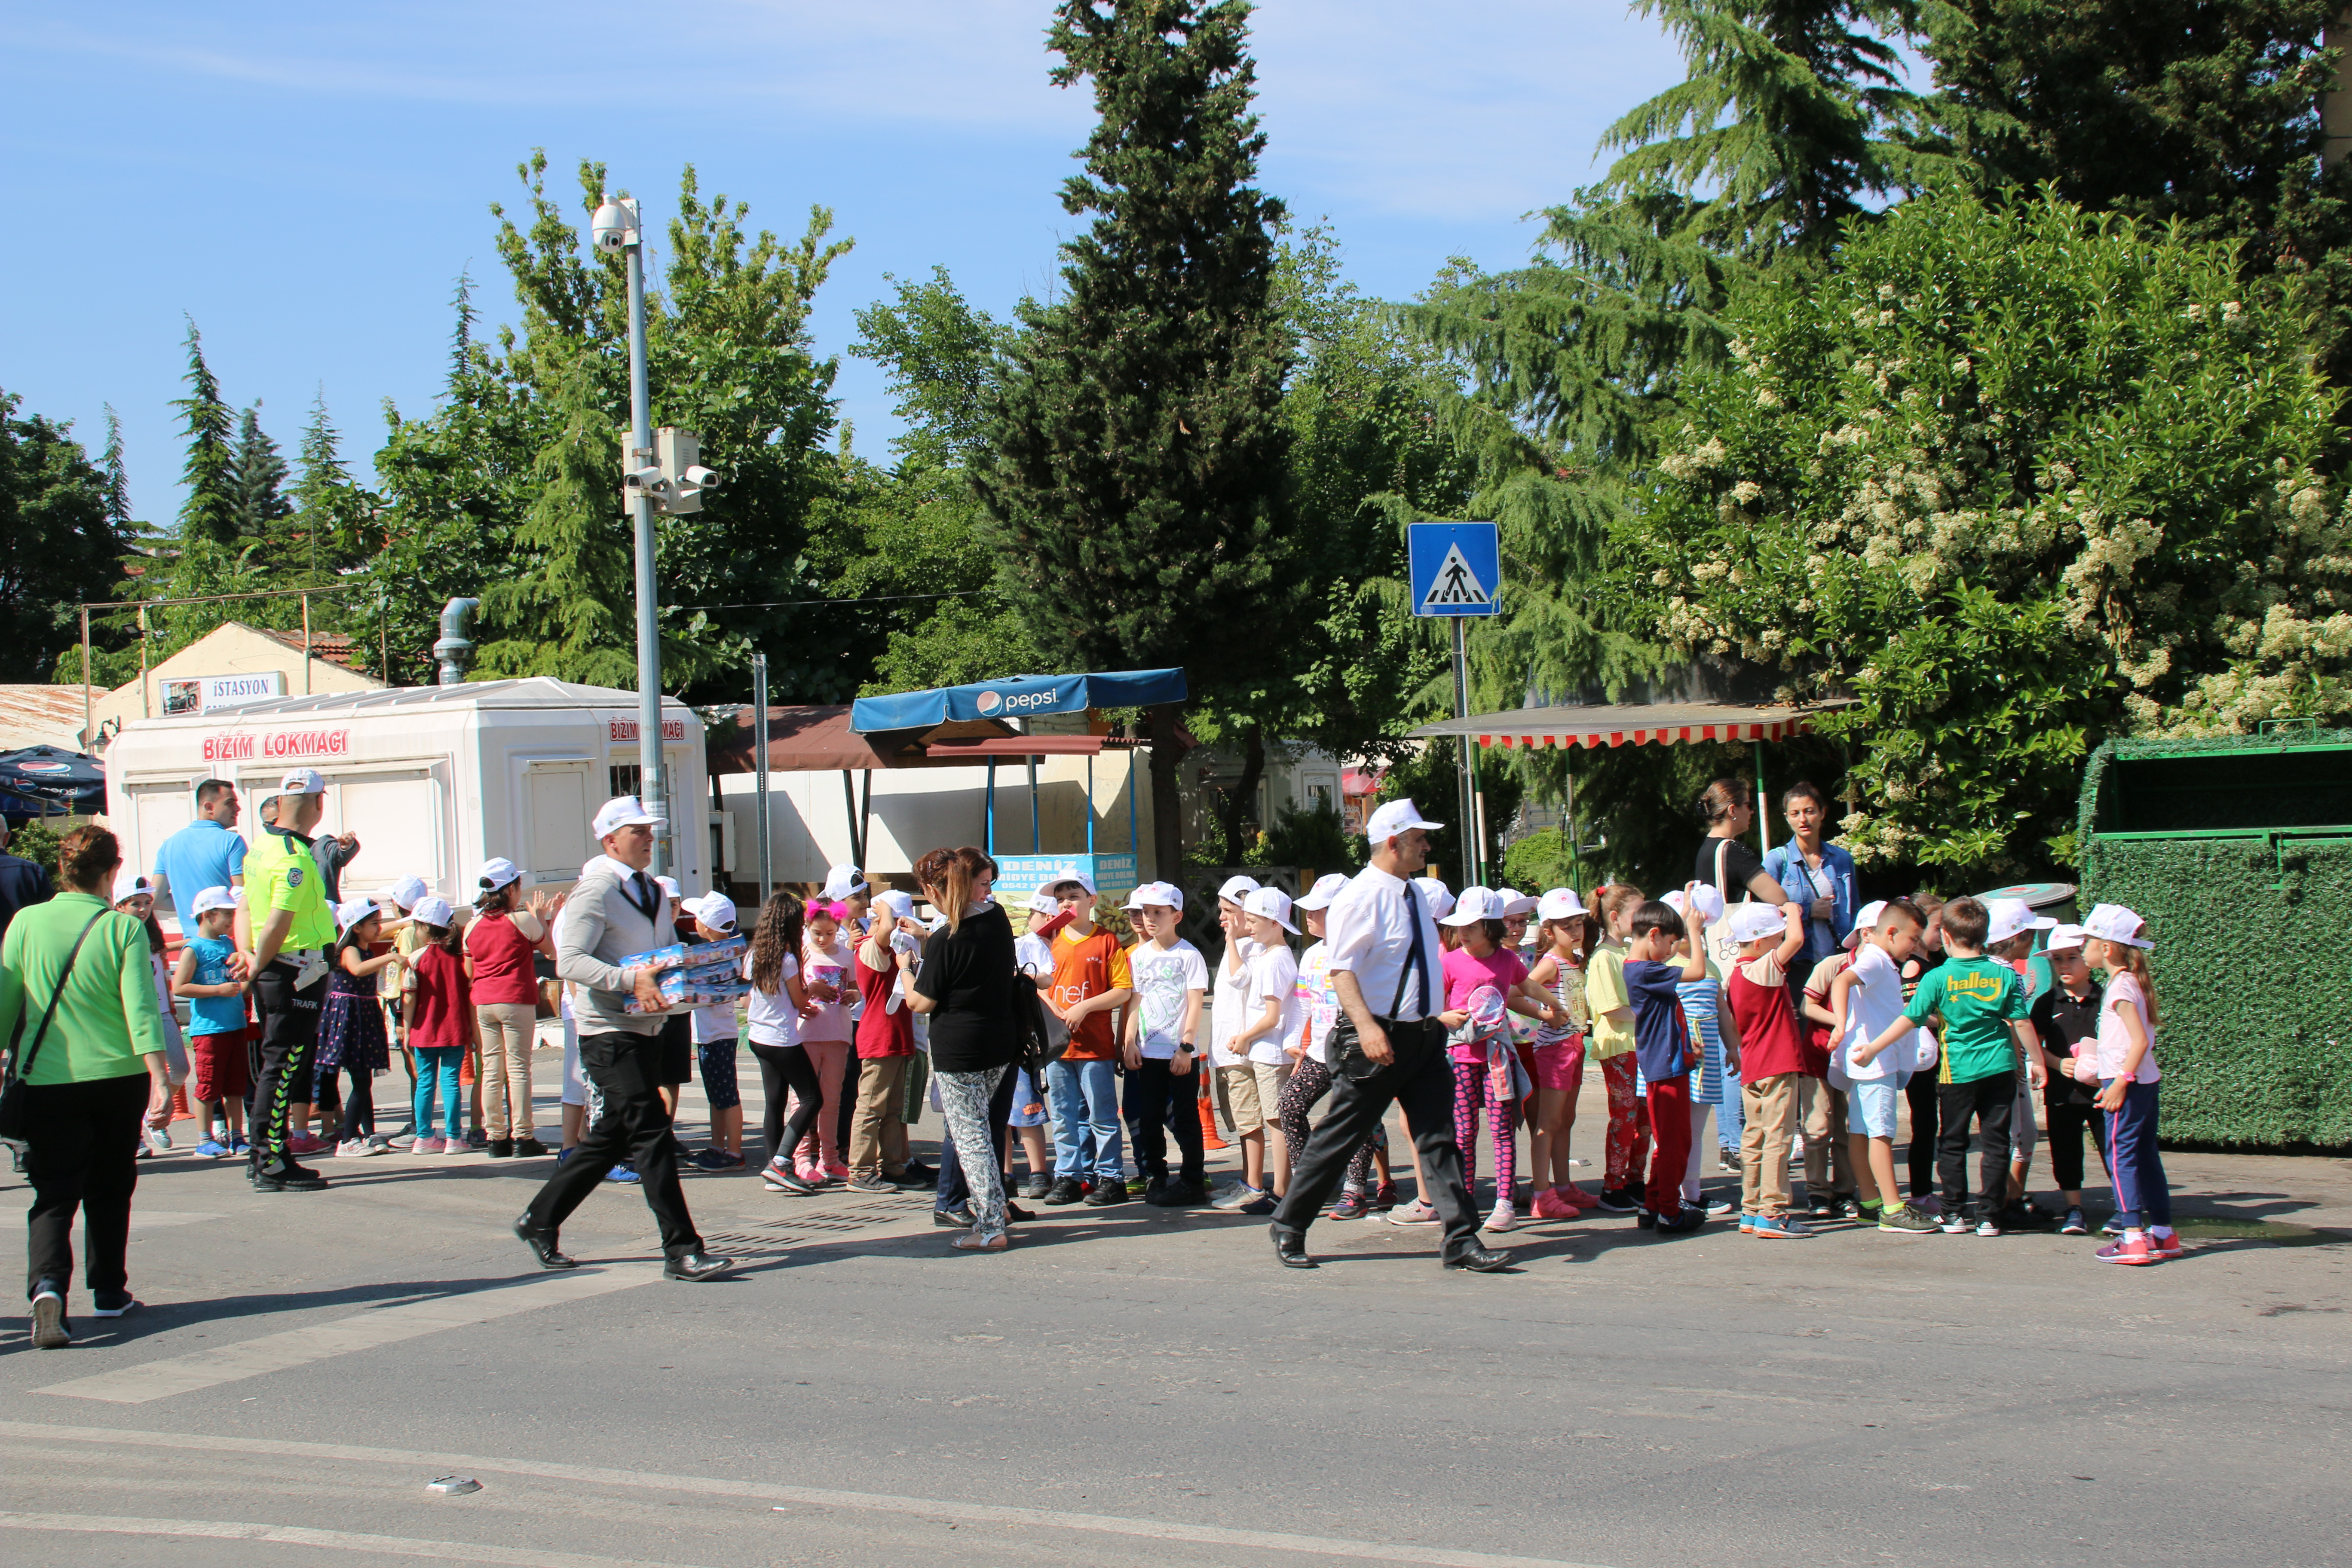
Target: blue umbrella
<point x="48" y="781"/>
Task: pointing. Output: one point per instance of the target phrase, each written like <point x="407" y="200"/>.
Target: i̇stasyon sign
<point x="210" y="693"/>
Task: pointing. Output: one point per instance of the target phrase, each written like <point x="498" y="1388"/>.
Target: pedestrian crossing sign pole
<point x="1458" y="572"/>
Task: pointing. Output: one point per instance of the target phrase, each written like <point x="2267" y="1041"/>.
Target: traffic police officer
<point x="293" y="931"/>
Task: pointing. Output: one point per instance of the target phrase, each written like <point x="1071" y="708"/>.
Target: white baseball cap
<point x="841" y="882"/>
<point x="2006" y="918"/>
<point x="405" y="892"/>
<point x="126" y="882"/>
<point x="670" y="890"/>
<point x="1158" y="895"/>
<point x="1752" y="922"/>
<point x="1325" y="889"/>
<point x="1041" y="902"/>
<point x="1709" y="902"/>
<point x="1560" y="904"/>
<point x="302" y="781"/>
<point x="2112" y="923"/>
<point x="1516" y="902"/>
<point x="1274" y="904"/>
<point x="620" y="811"/>
<point x="1083" y="879"/>
<point x="433" y="909"/>
<point x="900" y="906"/>
<point x="350" y="911"/>
<point x="497" y="872"/>
<point x="1236" y="889"/>
<point x="217" y="899"/>
<point x="1436" y="895"/>
<point x="1475" y="904"/>
<point x="1864" y="919"/>
<point x="2063" y="939"/>
<point x="1397" y="817"/>
<point x="716" y="911"/>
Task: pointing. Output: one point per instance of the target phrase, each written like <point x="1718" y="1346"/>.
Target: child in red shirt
<point x="1773" y="1048"/>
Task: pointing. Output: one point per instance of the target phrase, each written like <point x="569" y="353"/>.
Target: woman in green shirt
<point x="98" y="1069"/>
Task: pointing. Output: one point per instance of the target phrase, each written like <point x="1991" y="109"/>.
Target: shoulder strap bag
<point x="15" y="1115"/>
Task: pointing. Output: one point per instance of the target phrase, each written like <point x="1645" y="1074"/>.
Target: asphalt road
<point x="1124" y="1386"/>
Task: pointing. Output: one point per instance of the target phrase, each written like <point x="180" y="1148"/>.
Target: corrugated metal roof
<point x="40" y="716"/>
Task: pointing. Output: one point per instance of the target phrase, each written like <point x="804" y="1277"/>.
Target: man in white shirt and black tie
<point x="1388" y="1046"/>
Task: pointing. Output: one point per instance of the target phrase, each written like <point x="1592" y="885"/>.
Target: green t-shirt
<point x="107" y="1017"/>
<point x="1976" y="998"/>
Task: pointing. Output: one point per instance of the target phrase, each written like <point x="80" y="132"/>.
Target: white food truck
<point x="435" y="780"/>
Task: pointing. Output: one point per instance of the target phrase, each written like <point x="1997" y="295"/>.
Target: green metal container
<point x="2238" y="852"/>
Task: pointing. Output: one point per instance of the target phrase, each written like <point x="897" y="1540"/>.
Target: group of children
<point x="1968" y="1011"/>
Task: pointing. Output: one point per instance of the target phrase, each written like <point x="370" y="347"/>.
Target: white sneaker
<point x="1414" y="1213"/>
<point x="357" y="1148"/>
<point x="1504" y="1218"/>
<point x="158" y="1140"/>
<point x="1234" y="1197"/>
<point x="455" y="1146"/>
<point x="425" y="1146"/>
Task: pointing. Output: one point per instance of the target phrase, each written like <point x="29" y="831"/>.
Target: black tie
<point x="1417" y="961"/>
<point x="641" y="893"/>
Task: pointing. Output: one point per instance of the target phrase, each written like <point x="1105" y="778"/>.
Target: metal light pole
<point x="1471" y="849"/>
<point x="760" y="763"/>
<point x="617" y="226"/>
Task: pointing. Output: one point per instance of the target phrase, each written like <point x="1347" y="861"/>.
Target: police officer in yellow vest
<point x="293" y="930"/>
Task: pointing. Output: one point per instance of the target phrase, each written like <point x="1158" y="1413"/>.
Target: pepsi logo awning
<point x="1627" y="724"/>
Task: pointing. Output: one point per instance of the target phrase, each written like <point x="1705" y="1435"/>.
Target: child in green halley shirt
<point x="1981" y="1006"/>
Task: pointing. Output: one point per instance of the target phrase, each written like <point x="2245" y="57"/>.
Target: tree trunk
<point x="1167" y="794"/>
<point x="1237" y="800"/>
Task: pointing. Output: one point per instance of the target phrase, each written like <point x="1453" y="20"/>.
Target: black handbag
<point x="16" y="1114"/>
<point x="1032" y="1035"/>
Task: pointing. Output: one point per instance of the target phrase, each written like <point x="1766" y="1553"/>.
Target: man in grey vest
<point x="615" y="910"/>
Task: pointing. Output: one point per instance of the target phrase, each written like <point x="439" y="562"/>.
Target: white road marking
<point x="294" y="1535"/>
<point x="362" y="1331"/>
<point x="811" y="1497"/>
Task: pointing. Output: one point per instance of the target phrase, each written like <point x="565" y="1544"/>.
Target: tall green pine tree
<point x="210" y="514"/>
<point x="260" y="479"/>
<point x="1139" y="453"/>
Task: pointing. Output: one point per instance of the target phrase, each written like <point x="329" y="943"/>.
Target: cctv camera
<point x="702" y="478"/>
<point x="613" y="228"/>
<point x="649" y="478"/>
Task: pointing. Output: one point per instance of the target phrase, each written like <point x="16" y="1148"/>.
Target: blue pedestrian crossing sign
<point x="1457" y="568"/>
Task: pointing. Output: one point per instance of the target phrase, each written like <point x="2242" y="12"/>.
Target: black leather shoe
<point x="288" y="1179"/>
<point x="1155" y="1191"/>
<point x="697" y="1266"/>
<point x="542" y="1246"/>
<point x="1064" y="1190"/>
<point x="1290" y="1246"/>
<point x="1479" y="1259"/>
<point x="1015" y="1212"/>
<point x="1106" y="1193"/>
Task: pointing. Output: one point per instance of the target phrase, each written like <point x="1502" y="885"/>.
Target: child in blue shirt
<point x="215" y="1001"/>
<point x="1663" y="1045"/>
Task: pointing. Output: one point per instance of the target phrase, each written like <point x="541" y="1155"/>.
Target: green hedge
<point x="2254" y="954"/>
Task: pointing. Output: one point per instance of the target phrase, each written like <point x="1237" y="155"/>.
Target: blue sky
<point x="307" y="181"/>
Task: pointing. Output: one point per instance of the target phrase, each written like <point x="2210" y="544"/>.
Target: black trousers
<point x="786" y="1070"/>
<point x="289" y="1036"/>
<point x="2068" y="1122"/>
<point x="848" y="1101"/>
<point x="1419" y="1080"/>
<point x="1989" y="1103"/>
<point x="1921" y="1092"/>
<point x="954" y="1191"/>
<point x="1158" y="1103"/>
<point x="634" y="1130"/>
<point x="82" y="1152"/>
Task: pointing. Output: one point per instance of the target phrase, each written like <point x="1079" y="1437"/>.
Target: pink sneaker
<point x="1579" y="1196"/>
<point x="2142" y="1251"/>
<point x="809" y="1171"/>
<point x="303" y="1144"/>
<point x="455" y="1146"/>
<point x="1549" y="1204"/>
<point x="425" y="1146"/>
<point x="2166" y="1246"/>
<point x="837" y="1170"/>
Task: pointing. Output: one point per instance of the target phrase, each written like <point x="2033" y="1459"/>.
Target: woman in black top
<point x="1726" y="860"/>
<point x="965" y="986"/>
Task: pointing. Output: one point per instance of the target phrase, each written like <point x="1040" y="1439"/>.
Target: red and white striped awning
<point x="1625" y="724"/>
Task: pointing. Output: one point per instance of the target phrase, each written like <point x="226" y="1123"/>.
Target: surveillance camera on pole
<point x="678" y="459"/>
<point x="616" y="229"/>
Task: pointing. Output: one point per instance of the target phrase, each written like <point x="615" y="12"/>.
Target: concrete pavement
<point x="1125" y="1385"/>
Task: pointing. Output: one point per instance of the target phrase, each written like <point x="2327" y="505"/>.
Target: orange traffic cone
<point x="180" y="1111"/>
<point x="1209" y="1139"/>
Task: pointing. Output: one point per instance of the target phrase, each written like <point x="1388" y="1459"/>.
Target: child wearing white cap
<point x="2065" y="1019"/>
<point x="1161" y="1046"/>
<point x="1716" y="1085"/>
<point x="1610" y="1010"/>
<point x="1557" y="1063"/>
<point x="216" y="998"/>
<point x="1485" y="982"/>
<point x="1235" y="1084"/>
<point x="1272" y="992"/>
<point x="1866" y="1001"/>
<point x="2117" y="941"/>
<point x="1310" y="1077"/>
<point x="350" y="1026"/>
